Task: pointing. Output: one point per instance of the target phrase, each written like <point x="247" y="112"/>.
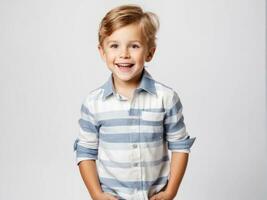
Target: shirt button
<point x="134" y="146"/>
<point x="135" y="164"/>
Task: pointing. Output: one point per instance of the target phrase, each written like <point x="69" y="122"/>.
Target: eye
<point x="114" y="46"/>
<point x="135" y="46"/>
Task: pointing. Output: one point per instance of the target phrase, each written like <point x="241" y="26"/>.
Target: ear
<point x="150" y="54"/>
<point x="101" y="52"/>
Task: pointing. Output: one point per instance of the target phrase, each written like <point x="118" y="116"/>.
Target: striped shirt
<point x="130" y="139"/>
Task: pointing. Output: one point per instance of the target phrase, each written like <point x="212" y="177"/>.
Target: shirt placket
<point x="135" y="146"/>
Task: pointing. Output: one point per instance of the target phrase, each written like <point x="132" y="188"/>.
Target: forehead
<point x="127" y="33"/>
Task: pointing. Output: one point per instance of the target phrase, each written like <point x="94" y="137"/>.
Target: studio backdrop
<point x="211" y="52"/>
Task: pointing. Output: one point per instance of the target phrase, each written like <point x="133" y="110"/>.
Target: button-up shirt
<point x="130" y="139"/>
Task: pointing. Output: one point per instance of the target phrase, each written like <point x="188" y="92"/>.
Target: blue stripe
<point x="114" y="164"/>
<point x="88" y="126"/>
<point x="85" y="110"/>
<point x="138" y="112"/>
<point x="131" y="137"/>
<point x="173" y="127"/>
<point x="86" y="152"/>
<point x="75" y="144"/>
<point x="181" y="144"/>
<point x="174" y="109"/>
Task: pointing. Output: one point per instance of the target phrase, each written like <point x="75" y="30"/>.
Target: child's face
<point x="125" y="53"/>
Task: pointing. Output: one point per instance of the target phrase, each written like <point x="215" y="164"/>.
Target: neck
<point x="127" y="85"/>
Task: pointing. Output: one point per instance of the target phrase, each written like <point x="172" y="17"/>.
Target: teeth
<point x="124" y="65"/>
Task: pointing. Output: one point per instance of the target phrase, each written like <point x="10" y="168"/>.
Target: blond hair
<point x="129" y="14"/>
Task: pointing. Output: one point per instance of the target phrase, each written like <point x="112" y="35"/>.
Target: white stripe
<point x="147" y="154"/>
<point x="88" y="118"/>
<point x="124" y="174"/>
<point x="88" y="140"/>
<point x="114" y="115"/>
<point x="130" y="129"/>
<point x="177" y="135"/>
<point x="126" y="146"/>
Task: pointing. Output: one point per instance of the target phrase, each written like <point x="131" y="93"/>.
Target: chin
<point x="125" y="78"/>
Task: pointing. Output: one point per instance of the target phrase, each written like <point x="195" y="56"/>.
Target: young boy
<point x="128" y="125"/>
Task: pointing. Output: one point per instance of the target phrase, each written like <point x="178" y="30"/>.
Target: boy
<point x="128" y="124"/>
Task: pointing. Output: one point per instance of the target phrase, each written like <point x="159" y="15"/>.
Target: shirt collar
<point x="147" y="83"/>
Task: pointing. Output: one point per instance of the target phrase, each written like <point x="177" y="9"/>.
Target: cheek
<point x="110" y="56"/>
<point x="139" y="55"/>
<point x="141" y="58"/>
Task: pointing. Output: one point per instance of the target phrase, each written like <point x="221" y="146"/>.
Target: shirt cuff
<point x="83" y="153"/>
<point x="181" y="145"/>
<point x="181" y="150"/>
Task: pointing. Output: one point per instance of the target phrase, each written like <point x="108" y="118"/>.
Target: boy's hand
<point x="104" y="196"/>
<point x="162" y="196"/>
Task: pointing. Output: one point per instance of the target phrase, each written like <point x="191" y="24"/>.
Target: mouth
<point x="124" y="65"/>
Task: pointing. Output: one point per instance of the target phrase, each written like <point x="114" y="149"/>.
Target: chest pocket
<point x="152" y="116"/>
<point x="153" y="125"/>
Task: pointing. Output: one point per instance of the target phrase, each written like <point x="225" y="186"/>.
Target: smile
<point x="121" y="65"/>
<point x="125" y="67"/>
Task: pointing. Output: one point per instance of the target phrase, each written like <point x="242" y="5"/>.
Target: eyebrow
<point x="132" y="41"/>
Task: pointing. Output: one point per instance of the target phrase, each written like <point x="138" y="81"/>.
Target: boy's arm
<point x="177" y="169"/>
<point x="178" y="166"/>
<point x="86" y="147"/>
<point x="90" y="177"/>
<point x="179" y="143"/>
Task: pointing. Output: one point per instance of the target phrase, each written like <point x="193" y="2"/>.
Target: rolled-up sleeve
<point x="86" y="144"/>
<point x="174" y="126"/>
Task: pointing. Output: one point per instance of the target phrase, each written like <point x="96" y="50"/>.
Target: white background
<point x="212" y="52"/>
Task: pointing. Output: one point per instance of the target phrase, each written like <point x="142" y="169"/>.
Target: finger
<point x="154" y="197"/>
<point x="151" y="198"/>
<point x="158" y="196"/>
<point x="110" y="197"/>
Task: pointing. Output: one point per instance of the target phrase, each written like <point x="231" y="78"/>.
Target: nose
<point x="124" y="53"/>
